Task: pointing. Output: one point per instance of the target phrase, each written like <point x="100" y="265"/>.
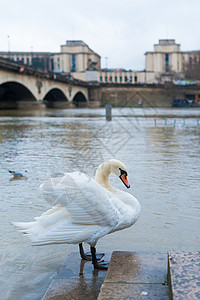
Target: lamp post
<point x="106" y="58"/>
<point x="31" y="55"/>
<point x="8" y="46"/>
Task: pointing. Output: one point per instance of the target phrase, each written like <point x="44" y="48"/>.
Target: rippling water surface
<point x="161" y="149"/>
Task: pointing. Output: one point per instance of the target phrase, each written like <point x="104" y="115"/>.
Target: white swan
<point x="84" y="210"/>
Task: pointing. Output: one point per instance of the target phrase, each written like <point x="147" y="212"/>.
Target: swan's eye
<point x="122" y="172"/>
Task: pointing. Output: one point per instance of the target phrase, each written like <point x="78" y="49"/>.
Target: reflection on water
<point x="163" y="166"/>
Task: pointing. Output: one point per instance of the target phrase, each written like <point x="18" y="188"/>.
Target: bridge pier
<point x="8" y="105"/>
<point x="30" y="105"/>
<point x="59" y="104"/>
<point x="34" y="105"/>
<point x="62" y="105"/>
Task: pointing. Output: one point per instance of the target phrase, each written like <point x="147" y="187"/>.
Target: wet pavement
<point x="76" y="279"/>
<point x="130" y="276"/>
<point x="184" y="271"/>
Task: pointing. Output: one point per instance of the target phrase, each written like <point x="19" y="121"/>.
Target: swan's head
<point x="119" y="169"/>
<point x="112" y="166"/>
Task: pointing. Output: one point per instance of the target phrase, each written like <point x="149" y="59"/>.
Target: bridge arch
<point x="55" y="97"/>
<point x="79" y="99"/>
<point x="12" y="93"/>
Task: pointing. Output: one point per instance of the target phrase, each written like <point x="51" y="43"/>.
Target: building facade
<point x="166" y="63"/>
<point x="121" y="76"/>
<point x="41" y="60"/>
<point x="75" y="57"/>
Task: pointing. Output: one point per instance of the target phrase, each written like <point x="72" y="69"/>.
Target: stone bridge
<point x="25" y="87"/>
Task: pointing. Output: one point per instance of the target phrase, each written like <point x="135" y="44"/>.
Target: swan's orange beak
<point x="124" y="179"/>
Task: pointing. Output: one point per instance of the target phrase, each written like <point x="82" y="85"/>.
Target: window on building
<point x="115" y="78"/>
<point x="106" y="78"/>
<point x="52" y="64"/>
<point x="135" y="78"/>
<point x="120" y="78"/>
<point x="27" y="60"/>
<point x="130" y="79"/>
<point x="38" y="62"/>
<point x="125" y="78"/>
<point x="101" y="78"/>
<point x="73" y="67"/>
<point x="22" y="60"/>
<point x="18" y="59"/>
<point x="167" y="63"/>
<point x="111" y="79"/>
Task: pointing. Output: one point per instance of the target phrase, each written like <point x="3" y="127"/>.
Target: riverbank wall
<point x="139" y="95"/>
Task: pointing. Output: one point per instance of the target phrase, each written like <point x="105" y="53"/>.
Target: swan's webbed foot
<point x="103" y="265"/>
<point x="88" y="255"/>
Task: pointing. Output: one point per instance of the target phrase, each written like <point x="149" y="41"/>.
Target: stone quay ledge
<point x="131" y="275"/>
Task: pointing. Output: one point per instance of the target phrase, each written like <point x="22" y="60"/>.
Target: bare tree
<point x="192" y="67"/>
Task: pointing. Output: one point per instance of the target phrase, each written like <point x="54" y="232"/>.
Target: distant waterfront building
<point x="122" y="76"/>
<point x="42" y="60"/>
<point x="166" y="63"/>
<point x="75" y="57"/>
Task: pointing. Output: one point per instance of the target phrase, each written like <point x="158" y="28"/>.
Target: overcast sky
<point x="120" y="30"/>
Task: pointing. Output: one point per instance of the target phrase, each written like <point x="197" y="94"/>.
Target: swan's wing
<point x="87" y="202"/>
<point x="55" y="226"/>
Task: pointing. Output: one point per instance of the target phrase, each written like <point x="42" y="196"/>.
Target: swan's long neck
<point x="102" y="175"/>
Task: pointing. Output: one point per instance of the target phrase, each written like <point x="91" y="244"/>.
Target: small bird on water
<point x="17" y="174"/>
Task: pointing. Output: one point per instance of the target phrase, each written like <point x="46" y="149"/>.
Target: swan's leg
<point x="83" y="254"/>
<point x="103" y="265"/>
<point x="88" y="255"/>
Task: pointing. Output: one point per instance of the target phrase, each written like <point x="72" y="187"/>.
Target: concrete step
<point x="76" y="280"/>
<point x="131" y="275"/>
<point x="184" y="275"/>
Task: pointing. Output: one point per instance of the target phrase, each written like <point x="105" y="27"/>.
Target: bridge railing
<point x="23" y="69"/>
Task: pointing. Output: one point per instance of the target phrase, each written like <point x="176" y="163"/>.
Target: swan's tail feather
<point x="64" y="232"/>
<point x="55" y="226"/>
<point x="23" y="226"/>
<point x="32" y="229"/>
<point x="47" y="220"/>
<point x="67" y="235"/>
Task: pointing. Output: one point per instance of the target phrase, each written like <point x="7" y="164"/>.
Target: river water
<point x="161" y="148"/>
